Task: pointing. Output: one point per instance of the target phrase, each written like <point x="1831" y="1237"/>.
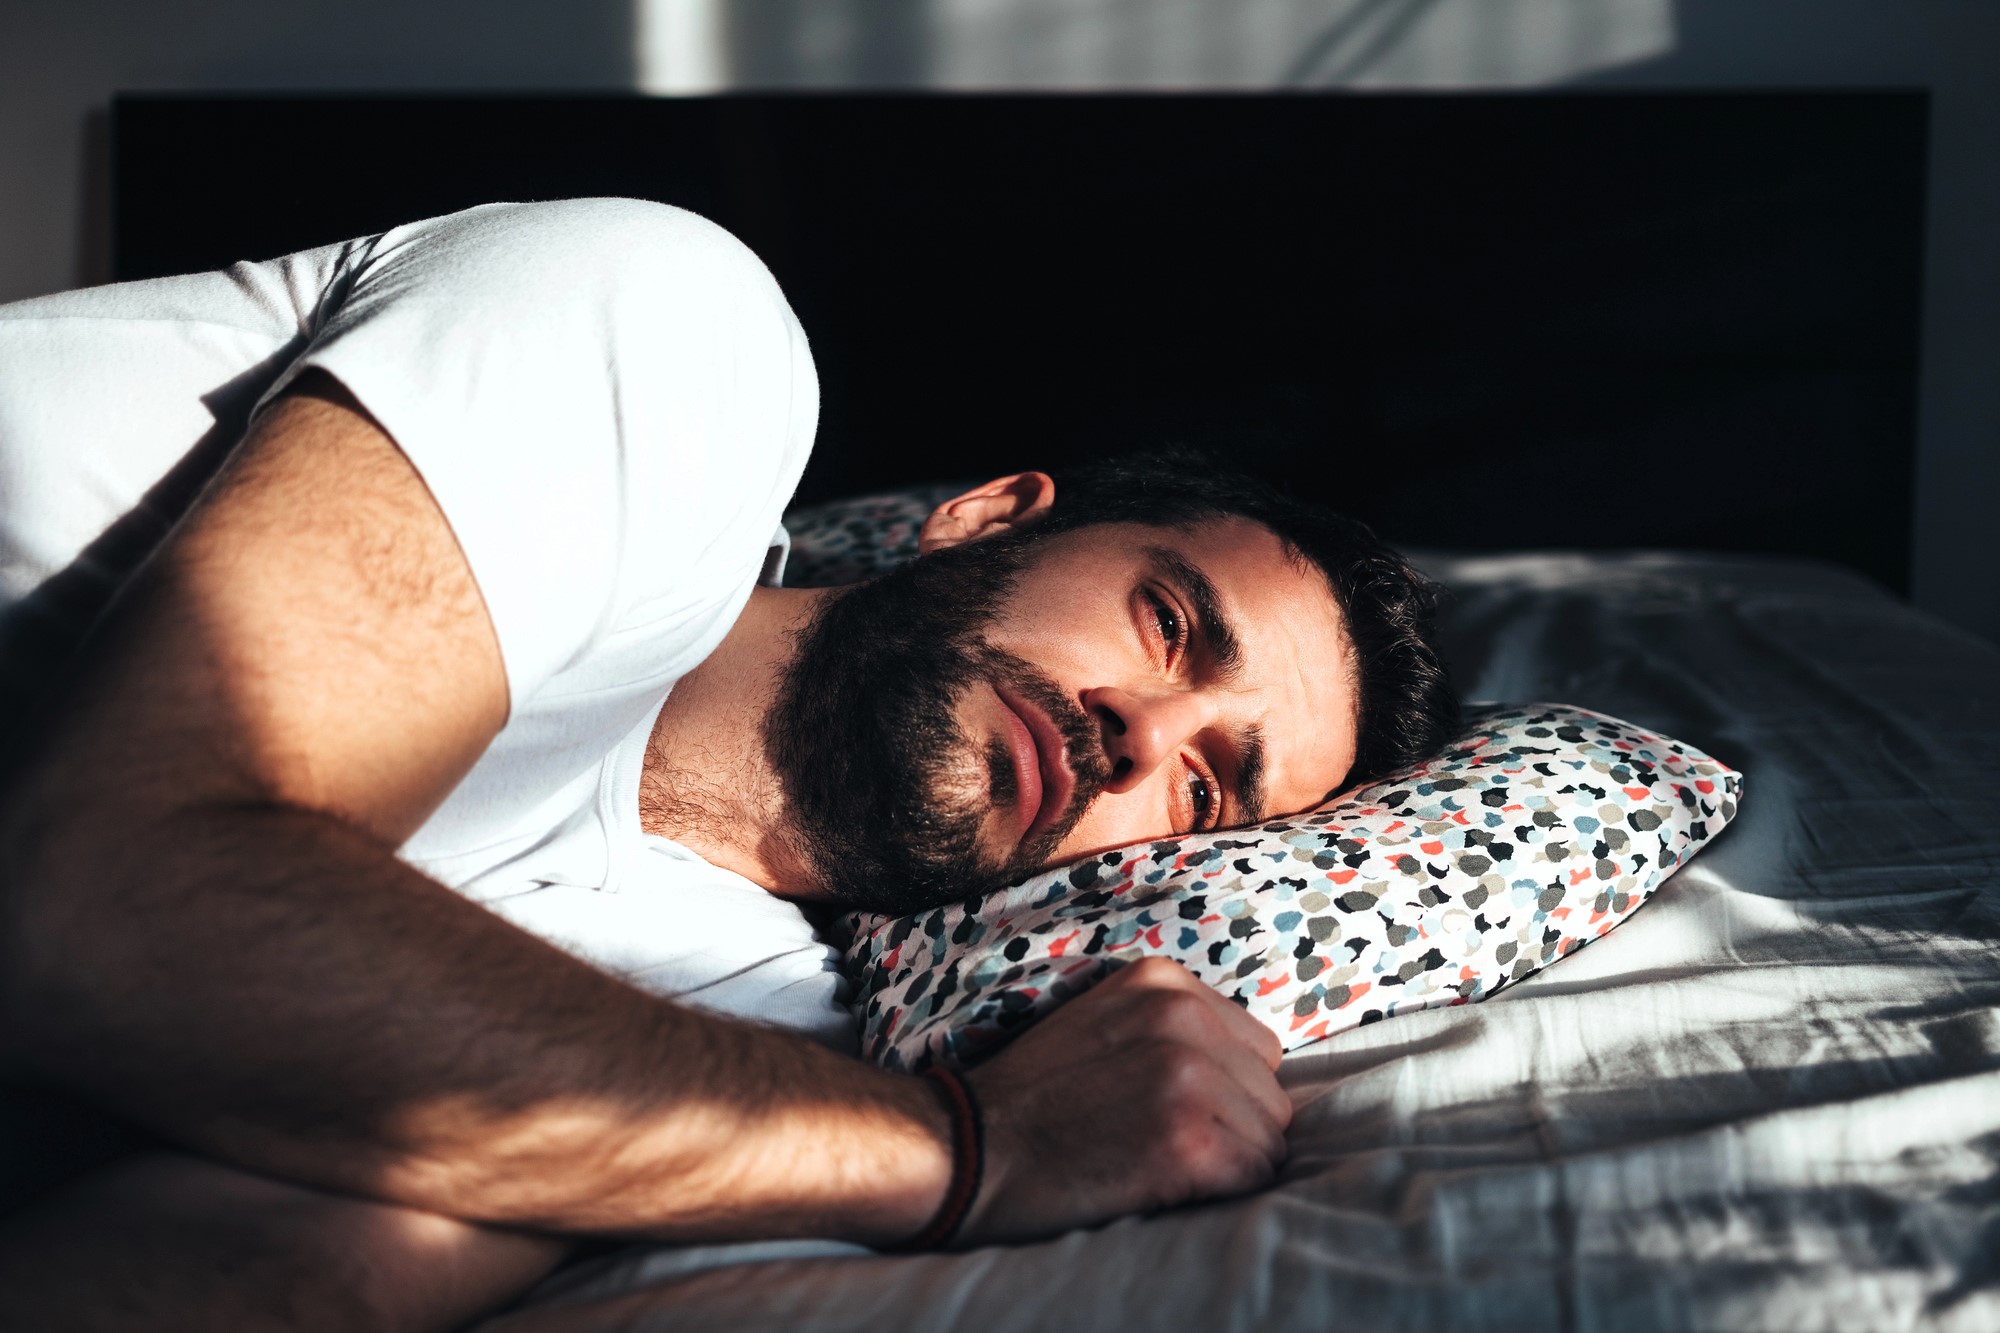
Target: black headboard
<point x="1484" y="322"/>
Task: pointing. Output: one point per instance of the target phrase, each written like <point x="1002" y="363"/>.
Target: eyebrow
<point x="1216" y="631"/>
<point x="1219" y="635"/>
<point x="1249" y="775"/>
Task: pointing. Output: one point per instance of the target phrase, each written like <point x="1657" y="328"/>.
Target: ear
<point x="984" y="510"/>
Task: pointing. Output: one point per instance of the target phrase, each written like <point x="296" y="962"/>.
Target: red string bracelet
<point x="968" y="1163"/>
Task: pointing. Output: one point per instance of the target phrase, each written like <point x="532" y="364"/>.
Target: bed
<point x="1673" y="337"/>
<point x="1769" y="1100"/>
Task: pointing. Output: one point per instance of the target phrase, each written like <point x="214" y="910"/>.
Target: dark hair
<point x="1408" y="709"/>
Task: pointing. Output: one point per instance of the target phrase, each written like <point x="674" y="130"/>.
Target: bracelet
<point x="968" y="1163"/>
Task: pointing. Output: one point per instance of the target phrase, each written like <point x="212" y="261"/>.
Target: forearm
<point x="162" y="1240"/>
<point x="273" y="988"/>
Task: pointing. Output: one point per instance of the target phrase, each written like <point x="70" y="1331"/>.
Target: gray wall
<point x="60" y="60"/>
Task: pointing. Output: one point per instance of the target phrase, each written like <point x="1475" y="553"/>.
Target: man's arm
<point x="163" y="1240"/>
<point x="205" y="927"/>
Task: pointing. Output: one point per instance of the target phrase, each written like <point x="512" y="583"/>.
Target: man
<point x="416" y="844"/>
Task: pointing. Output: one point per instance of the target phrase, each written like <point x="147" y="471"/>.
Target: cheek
<point x="1119" y="819"/>
<point x="1067" y="616"/>
<point x="1054" y="637"/>
<point x="1077" y="643"/>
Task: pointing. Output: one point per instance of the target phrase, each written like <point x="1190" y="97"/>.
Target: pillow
<point x="1538" y="830"/>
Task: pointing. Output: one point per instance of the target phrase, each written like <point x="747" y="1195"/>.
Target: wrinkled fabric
<point x="1771" y="1100"/>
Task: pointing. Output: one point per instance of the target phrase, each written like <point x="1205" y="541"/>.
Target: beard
<point x="886" y="792"/>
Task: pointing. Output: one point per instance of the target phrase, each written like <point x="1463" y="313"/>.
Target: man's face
<point x="1004" y="706"/>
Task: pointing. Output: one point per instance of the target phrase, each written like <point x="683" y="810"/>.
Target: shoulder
<point x="649" y="279"/>
<point x="625" y="244"/>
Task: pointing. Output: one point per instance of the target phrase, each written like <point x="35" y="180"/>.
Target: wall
<point x="60" y="62"/>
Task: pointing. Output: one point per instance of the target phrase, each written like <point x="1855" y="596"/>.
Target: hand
<point x="1150" y="1090"/>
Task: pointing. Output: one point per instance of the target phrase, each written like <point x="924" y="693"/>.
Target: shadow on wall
<point x="849" y="43"/>
<point x="1402" y="43"/>
<point x="1111" y="44"/>
<point x="1108" y="44"/>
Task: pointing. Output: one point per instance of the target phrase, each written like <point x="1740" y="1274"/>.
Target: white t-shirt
<point x="611" y="403"/>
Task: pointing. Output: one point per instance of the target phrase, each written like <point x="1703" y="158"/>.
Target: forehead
<point x="1296" y="680"/>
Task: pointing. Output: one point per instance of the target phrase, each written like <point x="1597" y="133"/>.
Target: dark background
<point x="1479" y="321"/>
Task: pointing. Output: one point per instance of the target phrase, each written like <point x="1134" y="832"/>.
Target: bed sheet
<point x="1770" y="1100"/>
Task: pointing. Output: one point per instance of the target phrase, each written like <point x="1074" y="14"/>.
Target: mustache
<point x="1083" y="744"/>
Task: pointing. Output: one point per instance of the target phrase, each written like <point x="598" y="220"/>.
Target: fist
<point x="1147" y="1091"/>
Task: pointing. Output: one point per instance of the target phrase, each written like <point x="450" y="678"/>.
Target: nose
<point x="1142" y="731"/>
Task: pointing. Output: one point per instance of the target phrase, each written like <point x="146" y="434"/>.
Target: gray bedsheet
<point x="1771" y="1100"/>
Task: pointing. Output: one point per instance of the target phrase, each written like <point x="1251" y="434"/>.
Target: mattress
<point x="1769" y="1100"/>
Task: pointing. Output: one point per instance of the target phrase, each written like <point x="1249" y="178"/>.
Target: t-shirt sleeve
<point x="608" y="399"/>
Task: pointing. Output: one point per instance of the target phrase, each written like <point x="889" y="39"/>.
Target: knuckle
<point x="1181" y="1070"/>
<point x="1153" y="970"/>
<point x="1254" y="1173"/>
<point x="1180" y="1013"/>
<point x="1237" y="1169"/>
<point x="1191" y="1145"/>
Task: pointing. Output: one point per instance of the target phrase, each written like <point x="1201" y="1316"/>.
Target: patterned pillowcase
<point x="1539" y="830"/>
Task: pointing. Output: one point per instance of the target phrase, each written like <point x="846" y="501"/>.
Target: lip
<point x="1041" y="764"/>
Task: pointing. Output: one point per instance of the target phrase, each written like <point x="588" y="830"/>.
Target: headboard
<point x="1477" y="321"/>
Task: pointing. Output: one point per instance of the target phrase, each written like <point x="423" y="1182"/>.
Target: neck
<point x="707" y="782"/>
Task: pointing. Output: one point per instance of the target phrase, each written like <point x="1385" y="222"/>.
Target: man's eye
<point x="1169" y="619"/>
<point x="1202" y="797"/>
